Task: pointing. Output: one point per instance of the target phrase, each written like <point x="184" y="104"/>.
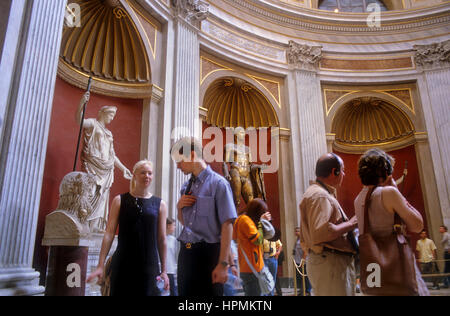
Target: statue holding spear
<point x="98" y="158"/>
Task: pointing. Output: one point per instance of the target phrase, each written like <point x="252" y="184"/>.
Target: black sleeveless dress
<point x="135" y="264"/>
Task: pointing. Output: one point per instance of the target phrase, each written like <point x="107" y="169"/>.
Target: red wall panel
<point x="411" y="188"/>
<point x="62" y="142"/>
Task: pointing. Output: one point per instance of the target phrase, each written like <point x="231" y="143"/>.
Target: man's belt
<point x="195" y="245"/>
<point x="339" y="252"/>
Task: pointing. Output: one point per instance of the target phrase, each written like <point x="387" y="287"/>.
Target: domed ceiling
<point x="233" y="102"/>
<point x="107" y="45"/>
<point x="370" y="121"/>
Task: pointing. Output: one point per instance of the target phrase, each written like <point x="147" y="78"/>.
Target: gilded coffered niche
<point x="107" y="46"/>
<point x="370" y="121"/>
<point x="233" y="102"/>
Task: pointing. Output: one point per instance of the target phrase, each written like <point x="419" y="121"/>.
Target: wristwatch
<point x="224" y="263"/>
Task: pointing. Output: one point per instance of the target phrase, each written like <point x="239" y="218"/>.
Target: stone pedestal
<point x="67" y="260"/>
<point x="66" y="271"/>
<point x="93" y="289"/>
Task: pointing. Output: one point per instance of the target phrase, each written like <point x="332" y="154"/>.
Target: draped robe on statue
<point x="98" y="159"/>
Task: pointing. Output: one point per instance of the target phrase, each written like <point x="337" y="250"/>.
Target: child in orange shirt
<point x="249" y="236"/>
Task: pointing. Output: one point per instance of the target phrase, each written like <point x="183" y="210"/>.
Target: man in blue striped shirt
<point x="206" y="210"/>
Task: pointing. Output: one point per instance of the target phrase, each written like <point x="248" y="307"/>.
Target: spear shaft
<point x="81" y="125"/>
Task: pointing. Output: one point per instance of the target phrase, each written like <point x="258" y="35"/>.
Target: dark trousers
<point x="430" y="268"/>
<point x="250" y="284"/>
<point x="447" y="267"/>
<point x="195" y="267"/>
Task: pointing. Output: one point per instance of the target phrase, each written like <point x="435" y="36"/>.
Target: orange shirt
<point x="246" y="233"/>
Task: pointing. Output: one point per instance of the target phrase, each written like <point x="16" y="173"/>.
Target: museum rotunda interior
<point x="305" y="77"/>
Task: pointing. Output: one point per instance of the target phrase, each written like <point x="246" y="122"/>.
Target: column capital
<point x="432" y="56"/>
<point x="157" y="94"/>
<point x="193" y="11"/>
<point x="304" y="57"/>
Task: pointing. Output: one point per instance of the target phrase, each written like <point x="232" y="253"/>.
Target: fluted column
<point x="307" y="110"/>
<point x="186" y="85"/>
<point x="24" y="143"/>
<point x="288" y="218"/>
<point x="434" y="62"/>
<point x="151" y="126"/>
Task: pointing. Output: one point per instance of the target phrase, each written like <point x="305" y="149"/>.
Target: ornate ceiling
<point x="108" y="45"/>
<point x="370" y="121"/>
<point x="233" y="102"/>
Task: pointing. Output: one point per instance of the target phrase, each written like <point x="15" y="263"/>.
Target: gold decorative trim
<point x="157" y="87"/>
<point x="154" y="46"/>
<point x="108" y="44"/>
<point x="387" y="146"/>
<point x="329" y="108"/>
<point x="370" y="121"/>
<point x="211" y="72"/>
<point x="104" y="87"/>
<point x="385" y="92"/>
<point x="259" y="79"/>
<point x="410" y="107"/>
<point x="413" y="66"/>
<point x="233" y="102"/>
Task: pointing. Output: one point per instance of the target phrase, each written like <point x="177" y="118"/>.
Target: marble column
<point x="434" y="63"/>
<point x="24" y="142"/>
<point x="151" y="127"/>
<point x="307" y="110"/>
<point x="288" y="217"/>
<point x="186" y="81"/>
<point x="307" y="138"/>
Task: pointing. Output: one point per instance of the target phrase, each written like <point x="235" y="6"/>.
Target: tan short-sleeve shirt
<point x="318" y="210"/>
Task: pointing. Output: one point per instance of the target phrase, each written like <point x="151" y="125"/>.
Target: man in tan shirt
<point x="325" y="232"/>
<point x="427" y="256"/>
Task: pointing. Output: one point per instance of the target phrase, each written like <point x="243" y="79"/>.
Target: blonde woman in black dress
<point x="141" y="252"/>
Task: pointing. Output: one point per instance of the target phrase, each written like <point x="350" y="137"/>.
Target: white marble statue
<point x="68" y="225"/>
<point x="98" y="158"/>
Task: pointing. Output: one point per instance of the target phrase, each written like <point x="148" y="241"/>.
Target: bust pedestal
<point x="67" y="261"/>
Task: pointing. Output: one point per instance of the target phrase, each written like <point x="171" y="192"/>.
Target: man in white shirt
<point x="427" y="254"/>
<point x="172" y="257"/>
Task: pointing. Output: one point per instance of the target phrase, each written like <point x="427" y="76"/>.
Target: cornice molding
<point x="314" y="20"/>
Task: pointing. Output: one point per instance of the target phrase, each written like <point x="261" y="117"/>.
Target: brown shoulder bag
<point x="389" y="258"/>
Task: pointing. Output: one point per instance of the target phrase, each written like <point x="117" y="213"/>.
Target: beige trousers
<point x="331" y="274"/>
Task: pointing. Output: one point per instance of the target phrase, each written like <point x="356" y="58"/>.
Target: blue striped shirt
<point x="214" y="206"/>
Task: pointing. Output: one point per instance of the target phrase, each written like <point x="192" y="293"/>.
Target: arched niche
<point x="250" y="94"/>
<point x="363" y="121"/>
<point x="108" y="46"/>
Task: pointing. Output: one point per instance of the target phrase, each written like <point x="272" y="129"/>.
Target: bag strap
<point x="249" y="264"/>
<point x="245" y="256"/>
<point x="397" y="219"/>
<point x="366" y="210"/>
